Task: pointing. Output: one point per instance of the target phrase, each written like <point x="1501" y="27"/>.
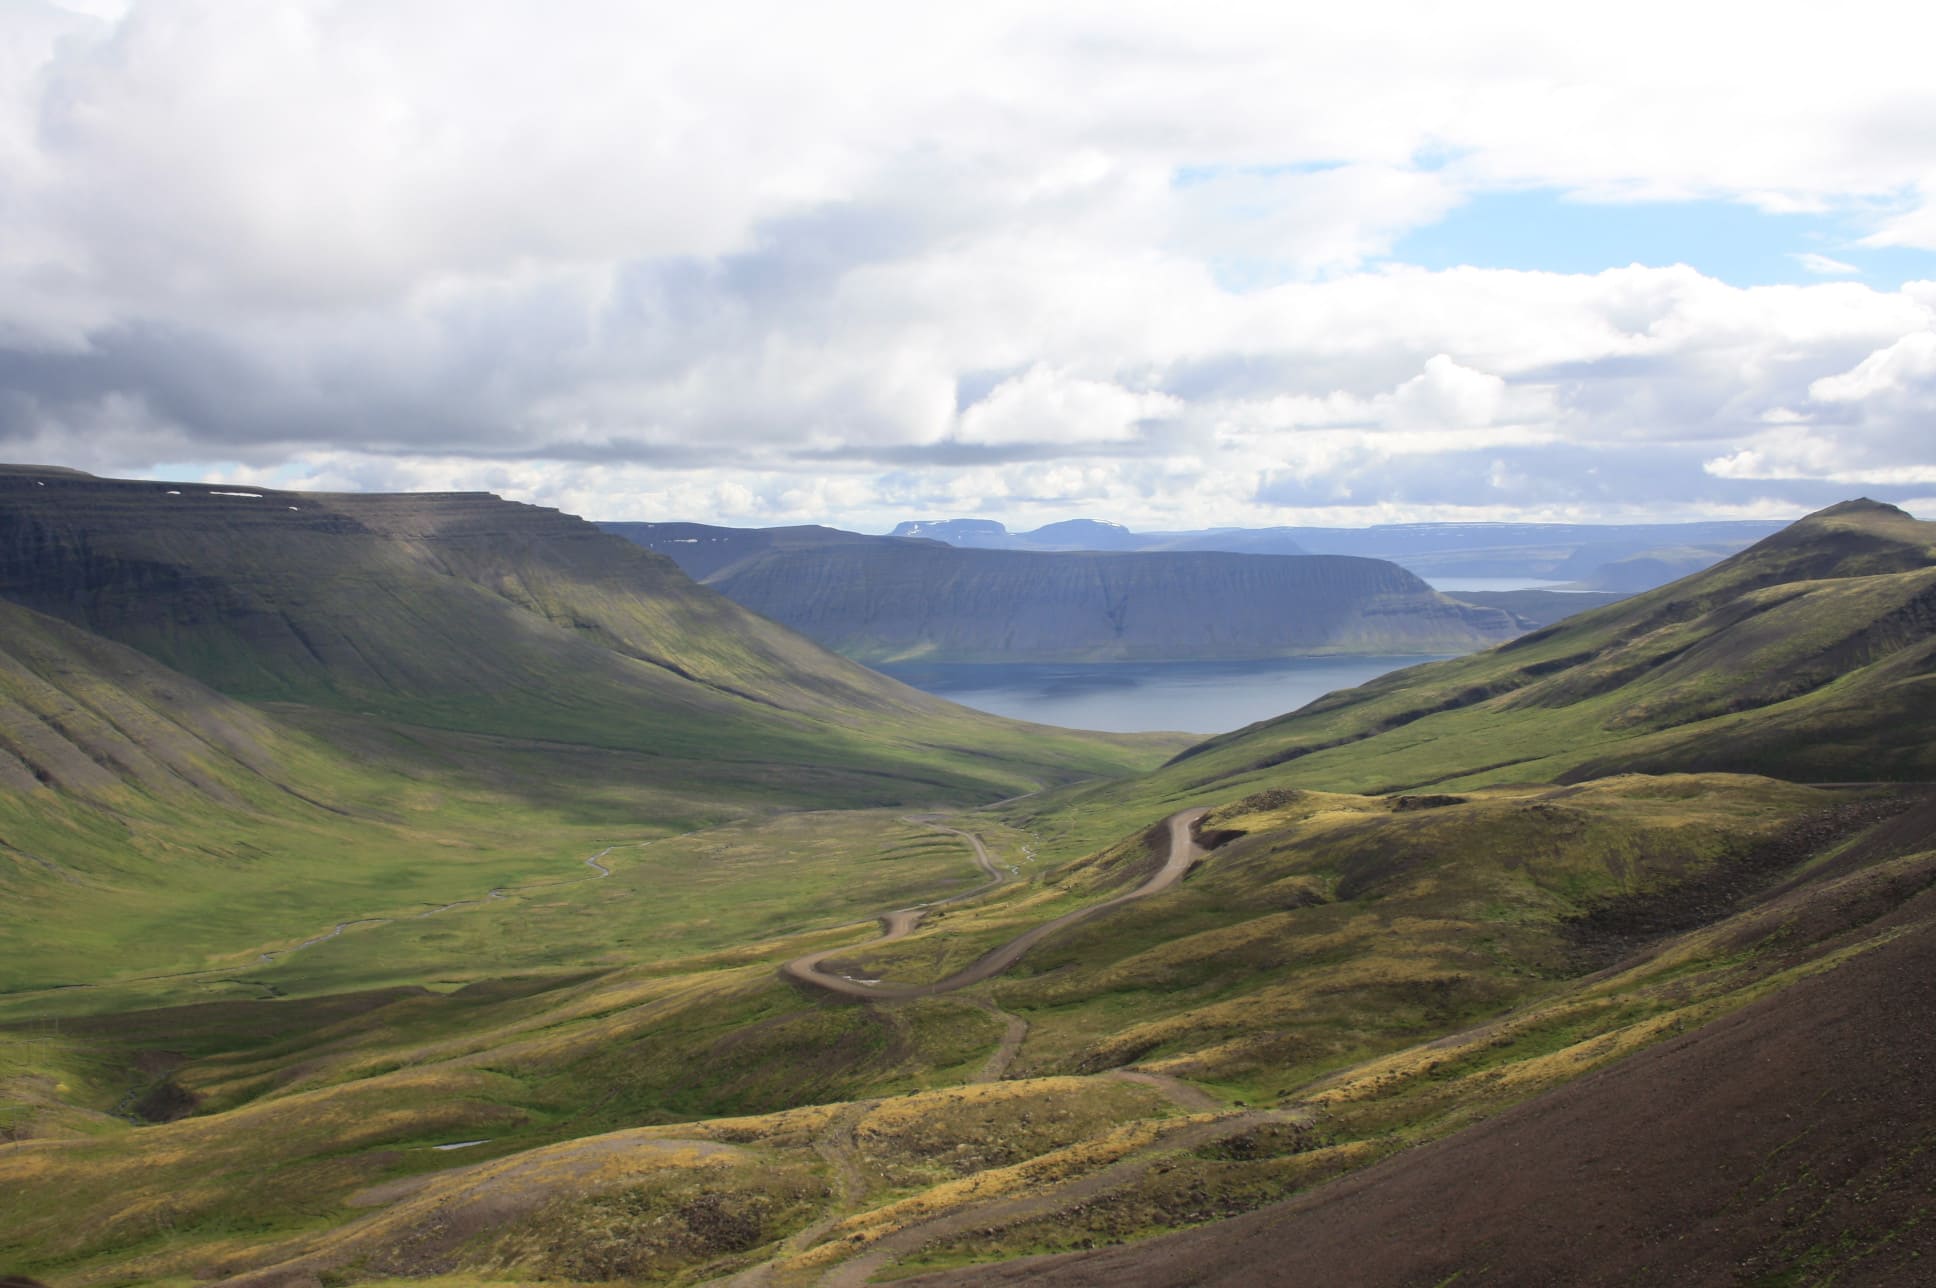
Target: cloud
<point x="766" y="262"/>
<point x="1447" y="395"/>
<point x="1824" y="266"/>
<point x="1903" y="370"/>
<point x="1047" y="406"/>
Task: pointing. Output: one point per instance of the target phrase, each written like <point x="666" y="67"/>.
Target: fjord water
<point x="1137" y="697"/>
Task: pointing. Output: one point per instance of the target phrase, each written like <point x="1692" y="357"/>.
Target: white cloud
<point x="1905" y="368"/>
<point x="1047" y="406"/>
<point x="1914" y="226"/>
<point x="1447" y="396"/>
<point x="774" y="262"/>
<point x="1825" y="266"/>
<point x="1780" y="454"/>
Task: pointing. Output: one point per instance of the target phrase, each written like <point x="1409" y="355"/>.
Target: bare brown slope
<point x="1798" y="1133"/>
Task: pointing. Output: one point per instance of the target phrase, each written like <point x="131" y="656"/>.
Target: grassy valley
<point x="553" y="1039"/>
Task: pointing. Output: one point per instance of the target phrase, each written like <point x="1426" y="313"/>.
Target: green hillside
<point x="1534" y="884"/>
<point x="465" y="612"/>
<point x="230" y="721"/>
<point x="1808" y="656"/>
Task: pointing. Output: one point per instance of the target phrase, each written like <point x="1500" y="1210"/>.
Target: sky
<point x="1170" y="265"/>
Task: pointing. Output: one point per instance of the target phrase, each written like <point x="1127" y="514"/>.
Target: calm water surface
<point x="1455" y="584"/>
<point x="1134" y="697"/>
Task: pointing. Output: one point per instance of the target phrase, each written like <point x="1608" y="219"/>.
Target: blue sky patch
<point x="1544" y="230"/>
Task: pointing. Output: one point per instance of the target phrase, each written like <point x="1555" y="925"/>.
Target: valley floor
<point x="1340" y="999"/>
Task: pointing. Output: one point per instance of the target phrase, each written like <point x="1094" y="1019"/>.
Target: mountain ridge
<point x="1615" y="556"/>
<point x="1759" y="664"/>
<point x="932" y="603"/>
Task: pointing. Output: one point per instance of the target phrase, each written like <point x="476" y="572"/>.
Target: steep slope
<point x="938" y="604"/>
<point x="87" y="718"/>
<point x="150" y="825"/>
<point x="1811" y="655"/>
<point x="466" y="612"/>
<point x="1788" y="1142"/>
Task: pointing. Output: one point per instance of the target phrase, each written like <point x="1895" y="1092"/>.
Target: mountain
<point x="1548" y="551"/>
<point x="1610" y="557"/>
<point x="1536" y="608"/>
<point x="929" y="602"/>
<point x="976" y="534"/>
<point x="82" y="716"/>
<point x="701" y="549"/>
<point x="460" y="611"/>
<point x="228" y="714"/>
<point x="1080" y="534"/>
<point x="1097" y="534"/>
<point x="1497" y="970"/>
<point x="1808" y="656"/>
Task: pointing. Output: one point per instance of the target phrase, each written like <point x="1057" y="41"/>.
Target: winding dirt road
<point x="1184" y="851"/>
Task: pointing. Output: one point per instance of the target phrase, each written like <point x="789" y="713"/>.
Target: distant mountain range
<point x="904" y="598"/>
<point x="1612" y="557"/>
<point x="1096" y="534"/>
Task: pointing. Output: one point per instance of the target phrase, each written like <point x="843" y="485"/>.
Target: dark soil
<point x="1791" y="1142"/>
<point x="164" y="1103"/>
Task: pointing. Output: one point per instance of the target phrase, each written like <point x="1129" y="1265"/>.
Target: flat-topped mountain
<point x="882" y="603"/>
<point x="703" y="549"/>
<point x="1096" y="534"/>
<point x="1620" y="557"/>
<point x="456" y="611"/>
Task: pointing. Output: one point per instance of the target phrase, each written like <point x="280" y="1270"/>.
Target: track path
<point x="1184" y="851"/>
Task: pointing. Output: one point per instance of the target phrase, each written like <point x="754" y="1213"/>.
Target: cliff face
<point x="882" y="604"/>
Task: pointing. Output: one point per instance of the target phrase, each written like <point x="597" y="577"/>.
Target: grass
<point x="1314" y="1003"/>
<point x="1348" y="972"/>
